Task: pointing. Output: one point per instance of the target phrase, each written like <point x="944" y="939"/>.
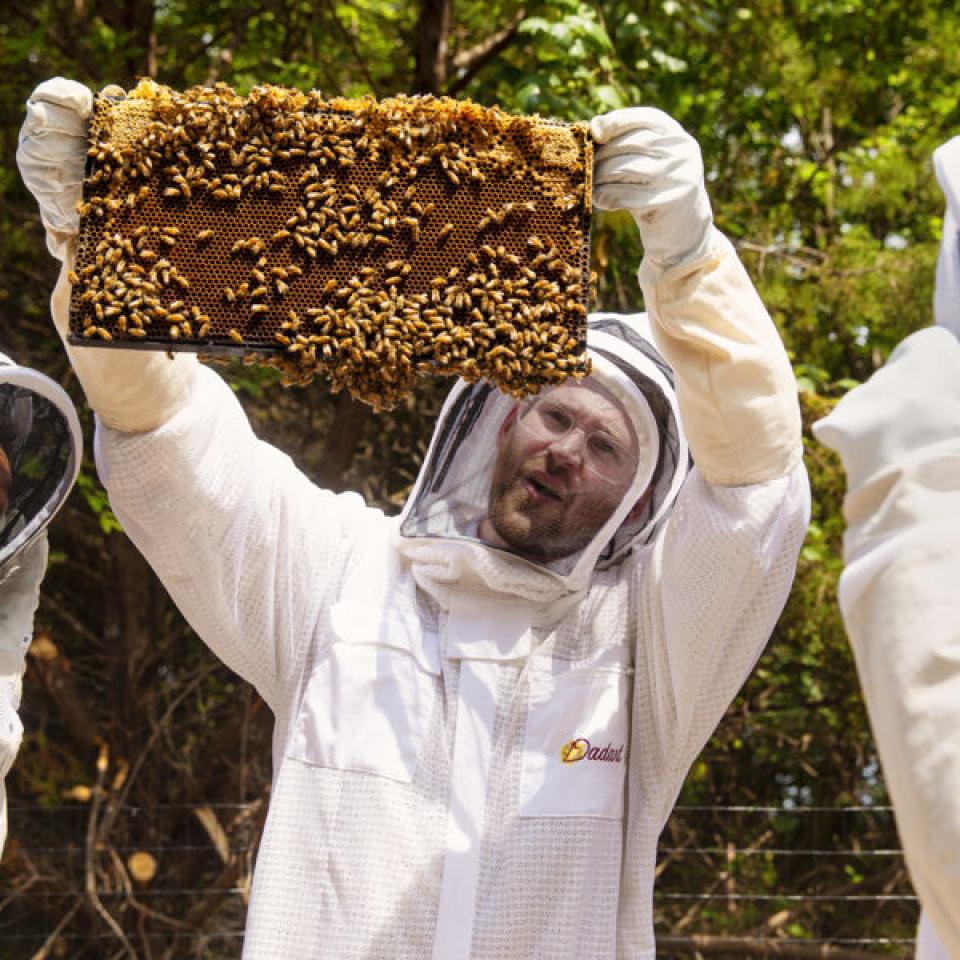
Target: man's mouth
<point x="542" y="488"/>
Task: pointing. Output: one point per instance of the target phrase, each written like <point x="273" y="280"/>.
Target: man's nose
<point x="567" y="450"/>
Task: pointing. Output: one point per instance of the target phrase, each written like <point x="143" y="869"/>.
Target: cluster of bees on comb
<point x="373" y="241"/>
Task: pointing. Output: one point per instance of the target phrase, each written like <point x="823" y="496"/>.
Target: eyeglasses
<point x="604" y="456"/>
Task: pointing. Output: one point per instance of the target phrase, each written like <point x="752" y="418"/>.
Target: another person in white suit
<point x="899" y="437"/>
<point x="40" y="447"/>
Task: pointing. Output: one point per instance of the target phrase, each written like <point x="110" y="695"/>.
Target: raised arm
<point x="248" y="548"/>
<point x="130" y="390"/>
<point x="721" y="569"/>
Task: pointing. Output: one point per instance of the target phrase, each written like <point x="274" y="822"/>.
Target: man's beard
<point x="535" y="531"/>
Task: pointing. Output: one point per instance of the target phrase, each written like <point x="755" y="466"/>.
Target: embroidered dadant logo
<point x="580" y="749"/>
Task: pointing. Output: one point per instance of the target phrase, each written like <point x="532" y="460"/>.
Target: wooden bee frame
<point x="372" y="241"/>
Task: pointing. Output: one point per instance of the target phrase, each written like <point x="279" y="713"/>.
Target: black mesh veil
<point x="453" y="492"/>
<point x="40" y="443"/>
<point x="655" y="381"/>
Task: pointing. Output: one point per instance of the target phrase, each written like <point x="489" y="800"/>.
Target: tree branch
<point x="468" y="63"/>
<point x="352" y="43"/>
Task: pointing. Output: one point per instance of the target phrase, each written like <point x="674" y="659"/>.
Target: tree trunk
<point x="432" y="33"/>
<point x="350" y="417"/>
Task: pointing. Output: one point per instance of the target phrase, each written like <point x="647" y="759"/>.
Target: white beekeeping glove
<point x="50" y="155"/>
<point x="648" y="164"/>
<point x="130" y="390"/>
<point x="19" y="593"/>
<point x="946" y="301"/>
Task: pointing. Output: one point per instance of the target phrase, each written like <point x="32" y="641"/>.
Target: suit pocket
<point x="576" y="743"/>
<point x="369" y="699"/>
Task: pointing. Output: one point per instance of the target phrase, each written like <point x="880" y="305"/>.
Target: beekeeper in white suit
<point x="40" y="447"/>
<point x="899" y="437"/>
<point x="484" y="708"/>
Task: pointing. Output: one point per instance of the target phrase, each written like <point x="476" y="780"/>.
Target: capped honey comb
<point x="372" y="241"/>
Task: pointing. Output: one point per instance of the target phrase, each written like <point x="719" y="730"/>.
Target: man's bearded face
<point x="563" y="466"/>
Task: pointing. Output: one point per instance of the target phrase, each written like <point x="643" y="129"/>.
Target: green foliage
<point x="96" y="499"/>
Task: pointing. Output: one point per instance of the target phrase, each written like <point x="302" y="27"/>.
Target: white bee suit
<point x="474" y="755"/>
<point x="41" y="441"/>
<point x="899" y="437"/>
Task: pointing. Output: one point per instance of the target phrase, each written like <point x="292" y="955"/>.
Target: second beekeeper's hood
<point x="441" y="524"/>
<point x="41" y="442"/>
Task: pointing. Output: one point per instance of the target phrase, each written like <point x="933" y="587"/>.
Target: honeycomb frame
<point x="371" y="241"/>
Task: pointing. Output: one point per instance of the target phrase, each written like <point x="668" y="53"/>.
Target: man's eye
<point x="604" y="447"/>
<point x="556" y="418"/>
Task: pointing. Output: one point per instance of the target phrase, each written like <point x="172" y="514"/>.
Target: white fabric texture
<point x="928" y="946"/>
<point x="899" y="438"/>
<point x="380" y="810"/>
<point x="648" y="164"/>
<point x="131" y="390"/>
<point x="19" y="595"/>
<point x="946" y="300"/>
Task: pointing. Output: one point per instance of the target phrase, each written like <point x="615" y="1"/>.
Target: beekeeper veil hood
<point x="40" y="444"/>
<point x="527" y="499"/>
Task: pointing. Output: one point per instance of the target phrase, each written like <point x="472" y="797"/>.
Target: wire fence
<point x="173" y="881"/>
